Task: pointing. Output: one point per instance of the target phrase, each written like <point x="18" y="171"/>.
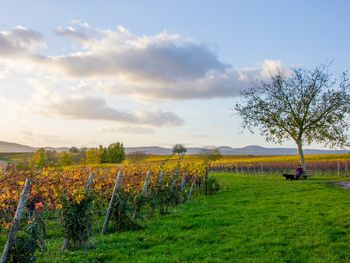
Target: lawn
<point x="252" y="219"/>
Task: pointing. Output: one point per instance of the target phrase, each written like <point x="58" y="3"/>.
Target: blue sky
<point x="155" y="72"/>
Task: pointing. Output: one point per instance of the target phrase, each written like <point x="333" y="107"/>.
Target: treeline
<point x="114" y="153"/>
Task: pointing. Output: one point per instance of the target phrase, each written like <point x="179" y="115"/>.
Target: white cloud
<point x="20" y="40"/>
<point x="157" y="59"/>
<point x="48" y="101"/>
<point x="156" y="67"/>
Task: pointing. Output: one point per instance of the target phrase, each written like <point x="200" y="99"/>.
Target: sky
<point x="85" y="73"/>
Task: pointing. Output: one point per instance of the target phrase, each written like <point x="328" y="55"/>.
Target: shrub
<point x="27" y="242"/>
<point x="123" y="209"/>
<point x="77" y="219"/>
<point x="210" y="186"/>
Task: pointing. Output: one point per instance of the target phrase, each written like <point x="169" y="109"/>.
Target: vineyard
<point x="75" y="195"/>
<point x="82" y="197"/>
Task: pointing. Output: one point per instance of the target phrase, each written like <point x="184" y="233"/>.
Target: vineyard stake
<point x="16" y="220"/>
<point x="183" y="181"/>
<point x="87" y="187"/>
<point x="143" y="194"/>
<point x="160" y="179"/>
<point x="117" y="186"/>
<point x="191" y="189"/>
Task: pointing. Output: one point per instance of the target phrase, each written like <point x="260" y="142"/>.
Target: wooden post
<point x="338" y="169"/>
<point x="191" y="189"/>
<point x="87" y="187"/>
<point x="89" y="182"/>
<point x="145" y="185"/>
<point x="143" y="194"/>
<point x="262" y="170"/>
<point x="183" y="181"/>
<point x="16" y="220"/>
<point x="117" y="186"/>
<point x="160" y="179"/>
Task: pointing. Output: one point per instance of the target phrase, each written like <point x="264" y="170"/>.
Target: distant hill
<point x="226" y="150"/>
<point x="7" y="147"/>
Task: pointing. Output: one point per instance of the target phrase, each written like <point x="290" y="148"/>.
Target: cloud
<point x="226" y="84"/>
<point x="20" y="40"/>
<point x="162" y="66"/>
<point x="47" y="101"/>
<point x="157" y="59"/>
<point x="79" y="32"/>
<point x="96" y="109"/>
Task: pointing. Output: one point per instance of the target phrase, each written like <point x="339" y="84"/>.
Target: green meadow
<point x="252" y="219"/>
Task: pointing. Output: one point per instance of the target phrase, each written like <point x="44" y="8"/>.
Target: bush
<point x="77" y="219"/>
<point x="211" y="186"/>
<point x="123" y="208"/>
<point x="27" y="242"/>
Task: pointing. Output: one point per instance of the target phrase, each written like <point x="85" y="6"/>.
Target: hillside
<point x="7" y="147"/>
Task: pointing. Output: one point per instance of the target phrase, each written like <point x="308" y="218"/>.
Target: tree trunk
<point x="301" y="155"/>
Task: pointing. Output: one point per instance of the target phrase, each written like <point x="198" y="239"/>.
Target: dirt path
<point x="344" y="184"/>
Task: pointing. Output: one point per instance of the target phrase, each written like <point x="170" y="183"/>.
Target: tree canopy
<point x="179" y="149"/>
<point x="303" y="105"/>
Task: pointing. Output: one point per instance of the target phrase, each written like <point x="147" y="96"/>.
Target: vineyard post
<point x="160" y="179"/>
<point x="242" y="169"/>
<point x="338" y="169"/>
<point x="87" y="187"/>
<point x="183" y="181"/>
<point x="117" y="186"/>
<point x="254" y="169"/>
<point x="16" y="220"/>
<point x="261" y="166"/>
<point x="143" y="195"/>
<point x="191" y="189"/>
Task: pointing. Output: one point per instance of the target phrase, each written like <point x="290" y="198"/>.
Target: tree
<point x="211" y="154"/>
<point x="39" y="158"/>
<point x="103" y="154"/>
<point x="73" y="149"/>
<point x="64" y="159"/>
<point x="91" y="156"/>
<point x="179" y="149"/>
<point x="116" y="152"/>
<point x="305" y="106"/>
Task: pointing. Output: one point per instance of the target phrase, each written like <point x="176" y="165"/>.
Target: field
<point x="252" y="219"/>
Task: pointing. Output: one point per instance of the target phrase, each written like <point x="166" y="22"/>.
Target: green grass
<point x="15" y="156"/>
<point x="252" y="219"/>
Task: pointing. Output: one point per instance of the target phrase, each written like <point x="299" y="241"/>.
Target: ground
<point x="252" y="219"/>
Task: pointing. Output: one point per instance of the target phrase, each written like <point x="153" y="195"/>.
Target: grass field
<point x="252" y="219"/>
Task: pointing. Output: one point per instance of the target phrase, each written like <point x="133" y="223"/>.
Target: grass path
<point x="253" y="219"/>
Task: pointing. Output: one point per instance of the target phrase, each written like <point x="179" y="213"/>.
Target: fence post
<point x="117" y="186"/>
<point x="16" y="220"/>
